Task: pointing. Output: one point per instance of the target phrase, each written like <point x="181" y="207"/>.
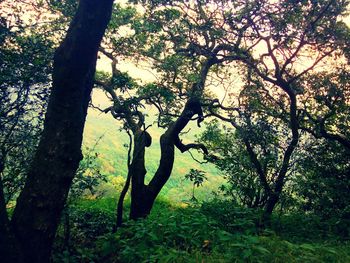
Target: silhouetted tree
<point x="30" y="234"/>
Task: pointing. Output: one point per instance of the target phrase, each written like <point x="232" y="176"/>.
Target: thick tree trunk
<point x="42" y="200"/>
<point x="140" y="205"/>
<point x="143" y="196"/>
<point x="66" y="228"/>
<point x="166" y="163"/>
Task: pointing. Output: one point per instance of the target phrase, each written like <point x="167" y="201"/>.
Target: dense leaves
<point x="219" y="231"/>
<point x="25" y="70"/>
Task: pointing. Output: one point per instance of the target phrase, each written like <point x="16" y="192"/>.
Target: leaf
<point x="308" y="247"/>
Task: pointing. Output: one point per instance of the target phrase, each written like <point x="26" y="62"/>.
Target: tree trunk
<point x="276" y="193"/>
<point x="8" y="245"/>
<point x="40" y="204"/>
<point x="140" y="203"/>
<point x="120" y="204"/>
<point x="143" y="196"/>
<point x="66" y="228"/>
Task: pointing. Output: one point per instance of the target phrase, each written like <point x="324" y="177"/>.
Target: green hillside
<point x="113" y="155"/>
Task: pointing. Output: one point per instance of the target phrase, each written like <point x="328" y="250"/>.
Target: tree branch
<point x="186" y="147"/>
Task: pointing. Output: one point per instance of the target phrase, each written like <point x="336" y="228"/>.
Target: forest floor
<point x="215" y="231"/>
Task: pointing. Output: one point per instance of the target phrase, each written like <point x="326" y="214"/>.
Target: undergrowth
<point x="216" y="231"/>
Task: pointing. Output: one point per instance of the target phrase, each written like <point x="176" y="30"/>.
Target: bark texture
<point x="40" y="204"/>
<point x="143" y="196"/>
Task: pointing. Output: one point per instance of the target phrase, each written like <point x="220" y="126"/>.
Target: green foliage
<point x="102" y="76"/>
<point x="323" y="184"/>
<point x="160" y="93"/>
<point x="218" y="231"/>
<point x="185" y="236"/>
<point x="326" y="103"/>
<point x="88" y="175"/>
<point x="243" y="183"/>
<point x="92" y="218"/>
<point x="172" y="63"/>
<point x="123" y="81"/>
<point x="86" y="220"/>
<point x="17" y="159"/>
<point x="152" y="238"/>
<point x="300" y="227"/>
<point x="197" y="177"/>
<point x="231" y="217"/>
<point x="25" y="68"/>
<point x="122" y="16"/>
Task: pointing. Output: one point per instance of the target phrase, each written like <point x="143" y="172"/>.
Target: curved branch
<point x="186" y="147"/>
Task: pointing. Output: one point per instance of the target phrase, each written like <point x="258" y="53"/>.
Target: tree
<point x="197" y="177"/>
<point x="183" y="62"/>
<point x="29" y="235"/>
<point x="143" y="196"/>
<point x="277" y="37"/>
<point x="230" y="155"/>
<point x="266" y="40"/>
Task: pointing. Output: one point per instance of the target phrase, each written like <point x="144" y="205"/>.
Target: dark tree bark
<point x="143" y="196"/>
<point x="120" y="204"/>
<point x="280" y="181"/>
<point x="66" y="228"/>
<point x="140" y="202"/>
<point x="8" y="245"/>
<point x="40" y="204"/>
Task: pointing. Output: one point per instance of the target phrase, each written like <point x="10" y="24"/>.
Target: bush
<point x="231" y="217"/>
<point x="217" y="231"/>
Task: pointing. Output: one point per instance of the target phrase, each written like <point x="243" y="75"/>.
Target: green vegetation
<point x="216" y="231"/>
<point x="233" y="147"/>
